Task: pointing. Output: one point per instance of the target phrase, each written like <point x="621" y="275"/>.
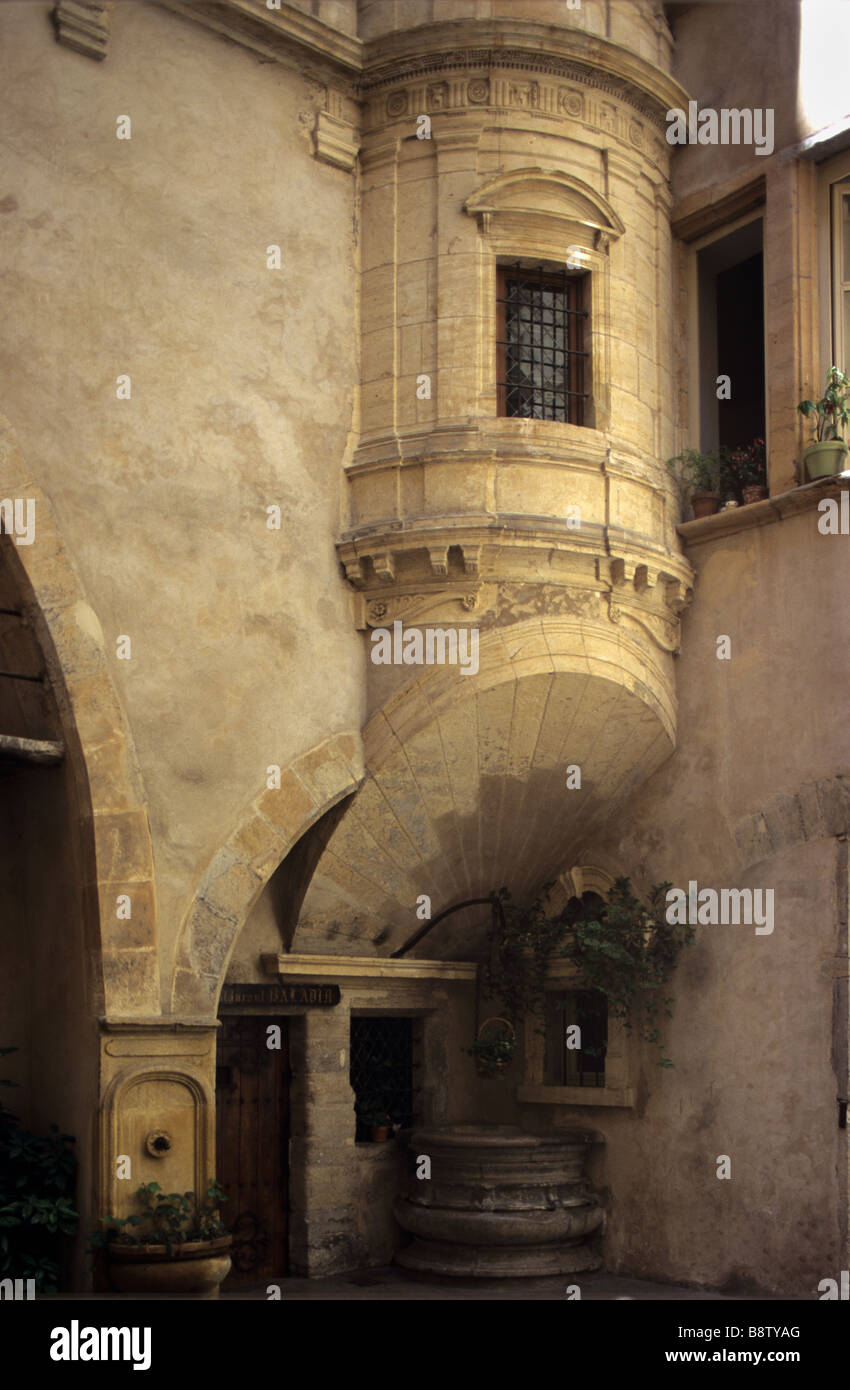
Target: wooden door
<point x="252" y="1138"/>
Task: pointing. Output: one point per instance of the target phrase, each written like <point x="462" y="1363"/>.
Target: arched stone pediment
<point x="564" y="204"/>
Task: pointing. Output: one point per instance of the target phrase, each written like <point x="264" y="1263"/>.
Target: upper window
<point x="841" y="273"/>
<point x="541" y="340"/>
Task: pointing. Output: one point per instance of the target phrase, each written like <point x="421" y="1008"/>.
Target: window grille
<point x="381" y="1070"/>
<point x="584" y="1066"/>
<point x="541" y="323"/>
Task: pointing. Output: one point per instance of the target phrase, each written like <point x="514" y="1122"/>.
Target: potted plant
<point x="828" y="451"/>
<point x="494" y="1047"/>
<point x="699" y="478"/>
<point x="377" y="1121"/>
<point x="175" y="1245"/>
<point x="744" y="471"/>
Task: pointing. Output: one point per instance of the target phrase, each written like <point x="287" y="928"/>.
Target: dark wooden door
<point x="252" y="1138"/>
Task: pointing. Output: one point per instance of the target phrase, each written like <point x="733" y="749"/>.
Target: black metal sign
<point x="290" y="992"/>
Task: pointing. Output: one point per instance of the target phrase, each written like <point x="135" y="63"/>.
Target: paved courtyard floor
<point x="393" y="1283"/>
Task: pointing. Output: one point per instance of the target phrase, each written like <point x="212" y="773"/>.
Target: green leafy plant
<point x="625" y="948"/>
<point x="628" y="952"/>
<point x="172" y="1219"/>
<point x="831" y="412"/>
<point x="37" y="1179"/>
<point x="696" y="472"/>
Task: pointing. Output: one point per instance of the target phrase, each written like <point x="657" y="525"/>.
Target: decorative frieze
<point x="595" y="111"/>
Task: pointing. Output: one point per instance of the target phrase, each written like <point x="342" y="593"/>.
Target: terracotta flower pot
<point x="755" y="493"/>
<point x="826" y="458"/>
<point x="196" y="1268"/>
<point x="380" y="1134"/>
<point x="705" y="503"/>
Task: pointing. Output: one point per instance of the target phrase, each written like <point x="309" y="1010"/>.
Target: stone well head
<point x="499" y="1202"/>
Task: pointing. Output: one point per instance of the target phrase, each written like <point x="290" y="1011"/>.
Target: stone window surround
<point x="517" y="221"/>
<point x="618" y="1090"/>
<point x="831" y="172"/>
<point x="695" y="331"/>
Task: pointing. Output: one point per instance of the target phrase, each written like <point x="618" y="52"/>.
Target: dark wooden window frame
<point x="575" y="289"/>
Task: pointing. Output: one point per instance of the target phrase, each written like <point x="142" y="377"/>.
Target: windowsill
<point x="373" y="1152"/>
<point x="622" y="1096"/>
<point x="783" y="504"/>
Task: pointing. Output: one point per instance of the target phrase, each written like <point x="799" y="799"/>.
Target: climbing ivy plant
<point x="625" y="948"/>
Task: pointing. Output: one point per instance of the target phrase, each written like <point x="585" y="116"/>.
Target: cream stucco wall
<point x="756" y="1039"/>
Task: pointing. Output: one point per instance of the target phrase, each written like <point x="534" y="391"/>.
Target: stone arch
<point x="816" y="811"/>
<point x="268" y="829"/>
<point x="98" y="743"/>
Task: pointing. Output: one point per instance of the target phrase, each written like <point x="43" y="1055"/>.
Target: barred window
<point x="576" y="1066"/>
<point x="382" y="1072"/>
<point x="541" y="344"/>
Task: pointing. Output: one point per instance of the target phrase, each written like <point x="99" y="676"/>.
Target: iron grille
<point x="381" y="1071"/>
<point x="541" y="319"/>
<point x="584" y="1066"/>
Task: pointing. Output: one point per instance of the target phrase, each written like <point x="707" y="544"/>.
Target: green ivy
<point x="628" y="951"/>
<point x="625" y="948"/>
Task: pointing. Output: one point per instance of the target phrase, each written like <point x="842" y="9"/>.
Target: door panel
<point x="252" y="1139"/>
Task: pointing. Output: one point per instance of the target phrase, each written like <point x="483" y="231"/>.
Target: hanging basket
<point x="493" y="1055"/>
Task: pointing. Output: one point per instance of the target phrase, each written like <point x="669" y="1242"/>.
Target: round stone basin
<point x="500" y="1202"/>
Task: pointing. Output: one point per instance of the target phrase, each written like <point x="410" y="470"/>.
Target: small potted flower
<point x="827" y="453"/>
<point x="744" y="471"/>
<point x="699" y="478"/>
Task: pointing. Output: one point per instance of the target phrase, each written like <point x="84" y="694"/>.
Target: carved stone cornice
<point x="491" y="46"/>
<point x="84" y="26"/>
<point x="521" y="564"/>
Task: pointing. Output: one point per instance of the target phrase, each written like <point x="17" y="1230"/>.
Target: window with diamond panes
<point x="381" y="1071"/>
<point x="541" y="344"/>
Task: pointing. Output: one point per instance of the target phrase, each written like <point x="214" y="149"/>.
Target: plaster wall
<point x="148" y="257"/>
<point x="768" y="54"/>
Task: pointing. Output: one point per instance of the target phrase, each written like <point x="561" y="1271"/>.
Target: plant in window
<point x="628" y="952"/>
<point x="744" y="471"/>
<point x="828" y="451"/>
<point x="625" y="948"/>
<point x="699" y="478"/>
